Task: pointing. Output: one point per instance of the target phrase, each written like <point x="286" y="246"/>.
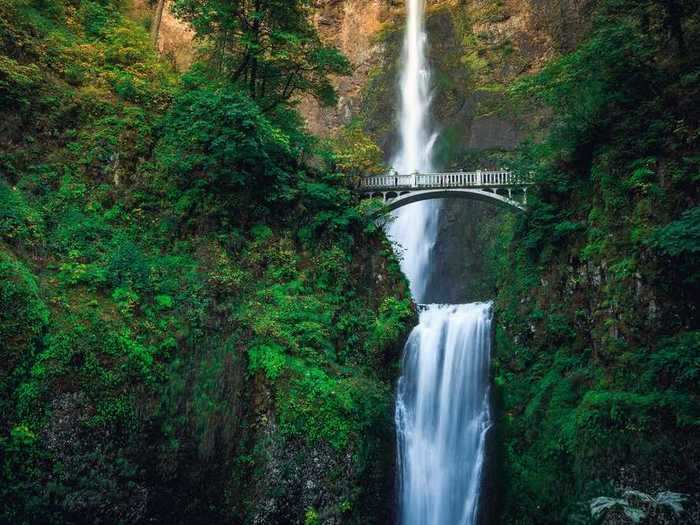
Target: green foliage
<point x="270" y="48"/>
<point x="23" y="320"/>
<point x="596" y="349"/>
<point x="267" y="358"/>
<point x="127" y="265"/>
<point x="19" y="222"/>
<point x="336" y="410"/>
<point x="23" y="311"/>
<point x="99" y="358"/>
<point x="680" y="238"/>
<point x="355" y="153"/>
<point x="224" y="156"/>
<point x="390" y="323"/>
<point x="15" y="81"/>
<point x="630" y="501"/>
<point x="311" y="517"/>
<point x="172" y="272"/>
<point x="302" y="341"/>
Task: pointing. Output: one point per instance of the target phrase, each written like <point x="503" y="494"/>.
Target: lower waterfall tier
<point x="442" y="414"/>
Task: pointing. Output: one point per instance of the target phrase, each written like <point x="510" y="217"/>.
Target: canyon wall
<point x="476" y="47"/>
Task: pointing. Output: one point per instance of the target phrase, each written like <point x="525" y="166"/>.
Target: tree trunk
<point x="155" y="25"/>
<point x="675" y="24"/>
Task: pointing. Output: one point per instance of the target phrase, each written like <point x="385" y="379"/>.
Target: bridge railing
<point x="388" y="181"/>
<point x="462" y="179"/>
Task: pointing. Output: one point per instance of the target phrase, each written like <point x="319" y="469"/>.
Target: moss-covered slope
<point x="597" y="356"/>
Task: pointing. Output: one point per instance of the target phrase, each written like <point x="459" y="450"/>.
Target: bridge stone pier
<point x="501" y="187"/>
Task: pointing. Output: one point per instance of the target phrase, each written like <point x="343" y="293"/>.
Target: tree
<point x="270" y="47"/>
<point x="225" y="157"/>
<point x="155" y="24"/>
<point x="356" y="153"/>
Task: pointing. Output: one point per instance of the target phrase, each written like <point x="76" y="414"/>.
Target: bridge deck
<point x="461" y="179"/>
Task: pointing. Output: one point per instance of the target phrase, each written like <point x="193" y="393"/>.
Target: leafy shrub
<point x="97" y="357"/>
<point x="23" y="320"/>
<point x="390" y="323"/>
<point x="318" y="406"/>
<point x="214" y="252"/>
<point x="355" y="153"/>
<point x="127" y="265"/>
<point x="16" y="81"/>
<point x="267" y="358"/>
<point x="19" y="222"/>
<point x="681" y="237"/>
<point x="223" y="153"/>
<point x="633" y="502"/>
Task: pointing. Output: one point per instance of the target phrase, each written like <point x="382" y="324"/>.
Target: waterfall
<point x="413" y="227"/>
<point x="442" y="407"/>
<point x="442" y="414"/>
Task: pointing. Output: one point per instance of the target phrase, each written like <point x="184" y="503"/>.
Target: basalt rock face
<point x="175" y="37"/>
<point x="459" y="272"/>
<point x="475" y="47"/>
<point x="489" y="46"/>
<point x="354" y="26"/>
<point x="594" y="313"/>
<point x="295" y="479"/>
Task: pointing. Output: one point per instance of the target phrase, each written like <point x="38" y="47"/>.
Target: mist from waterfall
<point x="442" y="404"/>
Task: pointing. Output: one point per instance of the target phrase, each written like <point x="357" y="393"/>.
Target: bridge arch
<point x="393" y="203"/>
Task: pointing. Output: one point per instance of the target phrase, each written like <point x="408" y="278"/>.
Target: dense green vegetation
<point x="188" y="311"/>
<point x="598" y="341"/>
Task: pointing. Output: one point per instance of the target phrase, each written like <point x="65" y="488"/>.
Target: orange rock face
<point x="175" y="37"/>
<point x="353" y="26"/>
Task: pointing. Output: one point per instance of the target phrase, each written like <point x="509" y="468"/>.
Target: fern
<point x="601" y="505"/>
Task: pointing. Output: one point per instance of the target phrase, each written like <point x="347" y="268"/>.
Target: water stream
<point x="442" y="414"/>
<point x="414" y="226"/>
<point x="442" y="407"/>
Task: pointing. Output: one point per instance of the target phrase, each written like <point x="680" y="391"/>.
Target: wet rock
<point x="104" y="487"/>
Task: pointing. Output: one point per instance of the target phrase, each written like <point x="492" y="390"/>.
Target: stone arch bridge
<point x="502" y="188"/>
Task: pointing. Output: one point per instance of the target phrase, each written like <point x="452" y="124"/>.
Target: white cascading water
<point x="442" y="415"/>
<point x="413" y="227"/>
<point x="442" y="406"/>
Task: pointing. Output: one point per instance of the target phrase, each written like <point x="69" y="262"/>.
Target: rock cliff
<point x="175" y="37"/>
